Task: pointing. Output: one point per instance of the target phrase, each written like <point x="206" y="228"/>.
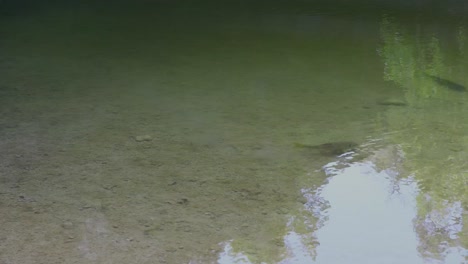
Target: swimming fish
<point x="331" y="148"/>
<point x="392" y="103"/>
<point x="447" y="84"/>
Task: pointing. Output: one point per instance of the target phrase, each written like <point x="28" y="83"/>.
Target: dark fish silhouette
<point x="392" y="103"/>
<point x="447" y="84"/>
<point x="330" y="149"/>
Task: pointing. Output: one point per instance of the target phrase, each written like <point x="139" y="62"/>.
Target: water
<point x="166" y="132"/>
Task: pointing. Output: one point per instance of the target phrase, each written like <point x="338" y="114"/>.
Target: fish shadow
<point x="447" y="83"/>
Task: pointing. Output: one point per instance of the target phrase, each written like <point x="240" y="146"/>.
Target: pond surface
<point x="235" y="132"/>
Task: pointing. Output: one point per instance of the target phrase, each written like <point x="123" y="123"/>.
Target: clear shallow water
<point x="224" y="92"/>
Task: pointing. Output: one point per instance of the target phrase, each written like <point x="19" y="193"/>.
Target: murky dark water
<point x="235" y="132"/>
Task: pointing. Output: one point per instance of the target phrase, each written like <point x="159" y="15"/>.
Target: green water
<point x="166" y="131"/>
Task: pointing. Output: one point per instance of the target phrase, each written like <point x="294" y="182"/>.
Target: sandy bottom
<point x="115" y="179"/>
<point x="111" y="170"/>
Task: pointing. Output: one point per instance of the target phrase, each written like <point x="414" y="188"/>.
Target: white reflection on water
<point x="228" y="256"/>
<point x="366" y="216"/>
<point x="367" y="224"/>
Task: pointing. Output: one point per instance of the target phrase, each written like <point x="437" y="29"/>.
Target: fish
<point x="392" y="103"/>
<point x="330" y="149"/>
<point x="447" y="83"/>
